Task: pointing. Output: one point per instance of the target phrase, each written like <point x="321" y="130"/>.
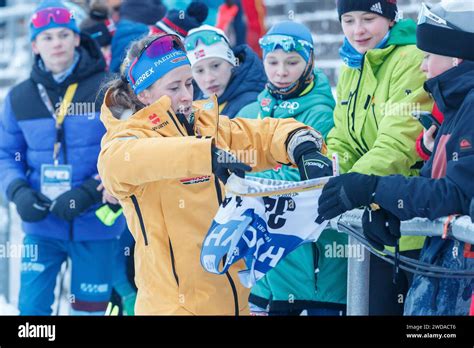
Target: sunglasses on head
<point x="44" y="17"/>
<point x="426" y="15"/>
<point x="287" y="43"/>
<point x="157" y="48"/>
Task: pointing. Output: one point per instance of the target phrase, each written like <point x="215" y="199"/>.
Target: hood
<point x="451" y="88"/>
<point x="91" y="62"/>
<point x="403" y="33"/>
<point x="320" y="94"/>
<point x="248" y="76"/>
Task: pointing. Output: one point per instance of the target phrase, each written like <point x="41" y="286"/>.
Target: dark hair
<point x="121" y="96"/>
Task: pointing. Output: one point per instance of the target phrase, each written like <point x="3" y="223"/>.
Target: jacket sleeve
<point x="263" y="141"/>
<point x="433" y="198"/>
<point x="394" y="149"/>
<point x="130" y="160"/>
<point x="12" y="148"/>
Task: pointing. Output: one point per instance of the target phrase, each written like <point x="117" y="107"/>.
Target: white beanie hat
<point x="219" y="48"/>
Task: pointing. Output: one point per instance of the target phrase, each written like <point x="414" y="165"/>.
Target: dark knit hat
<point x="99" y="26"/>
<point x="142" y="11"/>
<point x="452" y="34"/>
<point x="176" y="22"/>
<point x="385" y="8"/>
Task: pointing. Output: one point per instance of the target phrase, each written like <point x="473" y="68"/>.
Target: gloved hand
<point x="74" y="202"/>
<point x="32" y="206"/>
<point x="311" y="163"/>
<point x="346" y="192"/>
<point x="224" y="163"/>
<point x="128" y="295"/>
<point x="381" y="228"/>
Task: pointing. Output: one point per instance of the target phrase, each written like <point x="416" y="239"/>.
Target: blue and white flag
<point x="261" y="221"/>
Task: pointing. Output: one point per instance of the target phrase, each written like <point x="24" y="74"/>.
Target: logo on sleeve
<point x="465" y="144"/>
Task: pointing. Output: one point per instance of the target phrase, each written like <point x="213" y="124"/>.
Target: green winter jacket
<point x="293" y="285"/>
<point x="374" y="131"/>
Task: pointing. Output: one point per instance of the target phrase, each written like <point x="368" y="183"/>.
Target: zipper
<point x="355" y="95"/>
<point x="175" y="123"/>
<point x="64" y="149"/>
<point x="229" y="277"/>
<point x="375" y="118"/>
<point x="140" y="217"/>
<point x="173" y="264"/>
<point x="349" y="103"/>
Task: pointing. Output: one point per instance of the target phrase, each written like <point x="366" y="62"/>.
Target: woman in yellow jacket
<point x="162" y="163"/>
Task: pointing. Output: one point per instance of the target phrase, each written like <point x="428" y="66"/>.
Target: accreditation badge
<point x="55" y="180"/>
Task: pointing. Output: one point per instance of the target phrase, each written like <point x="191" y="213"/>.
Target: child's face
<point x="176" y="84"/>
<point x="434" y="65"/>
<point x="283" y="68"/>
<point x="56" y="47"/>
<point x="364" y="30"/>
<point x="212" y="75"/>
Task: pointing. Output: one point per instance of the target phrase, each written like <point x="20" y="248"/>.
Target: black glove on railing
<point x="311" y="163"/>
<point x="224" y="164"/>
<point x="31" y="205"/>
<point x="74" y="202"/>
<point x="381" y="228"/>
<point x="346" y="192"/>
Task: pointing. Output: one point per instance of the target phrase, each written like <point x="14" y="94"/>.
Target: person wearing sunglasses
<point x="445" y="33"/>
<point x="48" y="155"/>
<point x="297" y="89"/>
<point x="166" y="164"/>
<point x="379" y="86"/>
<point x="235" y="76"/>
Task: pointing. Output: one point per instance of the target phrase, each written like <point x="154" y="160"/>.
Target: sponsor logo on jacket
<point x="197" y="180"/>
<point x="157" y="121"/>
<point x="465" y="144"/>
<point x="290" y="106"/>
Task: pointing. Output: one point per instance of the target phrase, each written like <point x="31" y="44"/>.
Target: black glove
<point x="224" y="163"/>
<point x="346" y="192"/>
<point x="76" y="201"/>
<point x="32" y="206"/>
<point x="381" y="228"/>
<point x="311" y="163"/>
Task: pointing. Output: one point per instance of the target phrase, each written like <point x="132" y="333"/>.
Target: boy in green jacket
<point x="379" y="86"/>
<point x="306" y="279"/>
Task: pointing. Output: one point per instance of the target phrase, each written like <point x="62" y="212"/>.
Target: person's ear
<point x="34" y="47"/>
<point x="392" y="23"/>
<point x="77" y="40"/>
<point x="144" y="97"/>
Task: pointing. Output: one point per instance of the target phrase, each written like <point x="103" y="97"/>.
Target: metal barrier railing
<point x="358" y="273"/>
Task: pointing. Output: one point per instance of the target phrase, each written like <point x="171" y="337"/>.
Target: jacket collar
<point x="451" y="88"/>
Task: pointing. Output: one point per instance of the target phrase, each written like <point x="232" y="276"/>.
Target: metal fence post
<point x="358" y="276"/>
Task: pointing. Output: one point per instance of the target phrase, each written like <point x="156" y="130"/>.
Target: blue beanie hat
<point x="52" y="24"/>
<point x="298" y="34"/>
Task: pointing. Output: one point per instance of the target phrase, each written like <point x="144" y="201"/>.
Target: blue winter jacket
<point x="446" y="184"/>
<point x="247" y="81"/>
<point x="27" y="136"/>
<point x="127" y="32"/>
